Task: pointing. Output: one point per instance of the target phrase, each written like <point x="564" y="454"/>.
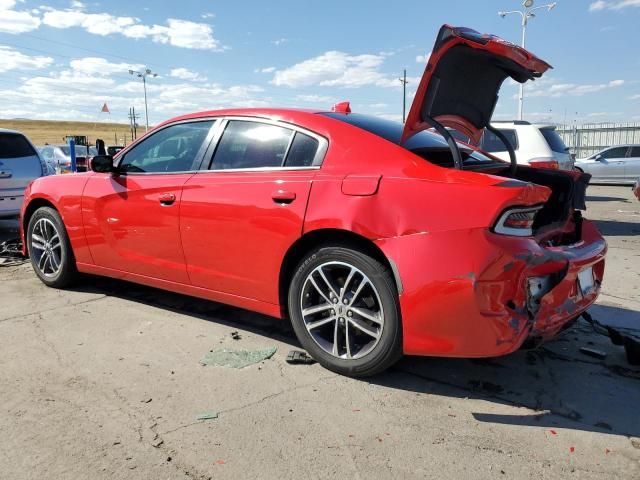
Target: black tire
<point x="388" y="346"/>
<point x="65" y="273"/>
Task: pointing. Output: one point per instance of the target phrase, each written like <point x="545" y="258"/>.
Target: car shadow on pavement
<point x="562" y="387"/>
<point x="614" y="228"/>
<point x="604" y="198"/>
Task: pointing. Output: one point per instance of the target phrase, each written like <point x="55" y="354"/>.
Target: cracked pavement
<point x="104" y="381"/>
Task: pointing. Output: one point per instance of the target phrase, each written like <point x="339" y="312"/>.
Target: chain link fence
<point x="589" y="138"/>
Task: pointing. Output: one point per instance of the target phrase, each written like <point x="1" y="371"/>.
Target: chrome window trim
<point x="199" y="158"/>
<point x="323" y="146"/>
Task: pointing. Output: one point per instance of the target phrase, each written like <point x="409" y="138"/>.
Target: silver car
<point x="619" y="164"/>
<point x="20" y="163"/>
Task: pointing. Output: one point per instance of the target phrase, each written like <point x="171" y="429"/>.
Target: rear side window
<point x="251" y="145"/>
<point x="491" y="143"/>
<point x="302" y="151"/>
<point x="553" y="140"/>
<point x="14" y="146"/>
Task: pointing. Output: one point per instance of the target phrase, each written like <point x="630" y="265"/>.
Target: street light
<point x="526" y="14"/>
<point x="143" y="75"/>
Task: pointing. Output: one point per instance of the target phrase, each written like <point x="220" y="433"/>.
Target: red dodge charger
<point x="373" y="237"/>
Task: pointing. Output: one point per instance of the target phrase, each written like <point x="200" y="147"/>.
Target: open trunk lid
<point x="460" y="84"/>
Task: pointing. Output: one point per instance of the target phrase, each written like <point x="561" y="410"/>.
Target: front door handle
<point x="167" y="199"/>
<point x="283" y="196"/>
<point x="5" y="173"/>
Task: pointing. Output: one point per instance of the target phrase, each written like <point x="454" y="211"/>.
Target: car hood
<point x="460" y="84"/>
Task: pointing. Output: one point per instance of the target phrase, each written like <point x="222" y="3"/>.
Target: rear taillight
<point x="544" y="163"/>
<point x="517" y="221"/>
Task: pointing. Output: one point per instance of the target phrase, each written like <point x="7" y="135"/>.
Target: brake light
<point x="544" y="163"/>
<point x="517" y="221"/>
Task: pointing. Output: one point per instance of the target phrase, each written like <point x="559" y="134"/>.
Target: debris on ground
<point x="235" y="335"/>
<point x="207" y="416"/>
<point x="297" y="357"/>
<point x="146" y="400"/>
<point x="618" y="336"/>
<point x="237" y="358"/>
<point x="592" y="352"/>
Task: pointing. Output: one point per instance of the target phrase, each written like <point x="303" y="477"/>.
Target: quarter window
<point x="172" y="149"/>
<point x="302" y="151"/>
<point x="251" y="145"/>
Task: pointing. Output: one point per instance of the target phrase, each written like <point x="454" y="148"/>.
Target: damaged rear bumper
<point x="495" y="293"/>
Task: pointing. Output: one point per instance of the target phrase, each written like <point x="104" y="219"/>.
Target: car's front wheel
<point x="49" y="248"/>
<point x="344" y="309"/>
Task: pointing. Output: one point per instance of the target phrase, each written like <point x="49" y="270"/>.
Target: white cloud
<point x="101" y="66"/>
<point x="265" y="70"/>
<point x="336" y="69"/>
<point x="423" y="59"/>
<point x="179" y="33"/>
<point x="185" y="74"/>
<point x="613" y="5"/>
<point x="14" y="21"/>
<point x="207" y="15"/>
<point x="279" y="41"/>
<point x="11" y="59"/>
<point x="635" y="97"/>
<point x="316" y="99"/>
<point x="548" y="88"/>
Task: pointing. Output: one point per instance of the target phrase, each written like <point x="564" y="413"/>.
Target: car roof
<point x="286" y="114"/>
<point x="521" y="123"/>
<point x="6" y="130"/>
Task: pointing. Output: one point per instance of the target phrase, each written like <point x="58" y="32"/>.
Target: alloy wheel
<point x="341" y="310"/>
<point x="46" y="247"/>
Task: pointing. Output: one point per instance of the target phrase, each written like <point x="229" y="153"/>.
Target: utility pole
<point x="403" y="80"/>
<point x="133" y="117"/>
<point x="525" y="14"/>
<point x="143" y="75"/>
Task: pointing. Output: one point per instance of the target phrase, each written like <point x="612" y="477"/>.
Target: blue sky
<point x="63" y="59"/>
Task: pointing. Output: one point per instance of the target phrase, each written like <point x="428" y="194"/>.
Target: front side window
<point x="491" y="143"/>
<point x="618" y="152"/>
<point x="172" y="149"/>
<point x="250" y="145"/>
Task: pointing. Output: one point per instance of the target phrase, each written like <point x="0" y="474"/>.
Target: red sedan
<point x="373" y="237"/>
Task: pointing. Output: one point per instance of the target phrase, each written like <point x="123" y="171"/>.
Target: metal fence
<point x="587" y="139"/>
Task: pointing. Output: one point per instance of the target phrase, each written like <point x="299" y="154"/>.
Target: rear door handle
<point x="167" y="199"/>
<point x="283" y="196"/>
<point x="5" y="173"/>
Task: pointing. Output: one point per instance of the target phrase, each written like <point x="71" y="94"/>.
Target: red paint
<point x="572" y="449"/>
<point x="553" y="432"/>
<point x="223" y="236"/>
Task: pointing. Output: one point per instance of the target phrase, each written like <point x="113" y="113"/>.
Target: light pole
<point x="143" y="75"/>
<point x="525" y="14"/>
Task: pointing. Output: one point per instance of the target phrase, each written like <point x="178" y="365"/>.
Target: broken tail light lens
<point x="517" y="221"/>
<point x="544" y="163"/>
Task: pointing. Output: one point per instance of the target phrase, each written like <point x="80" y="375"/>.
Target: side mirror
<point x="102" y="164"/>
<point x="598" y="158"/>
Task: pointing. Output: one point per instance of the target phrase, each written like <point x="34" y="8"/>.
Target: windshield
<point x="81" y="151"/>
<point x="430" y="146"/>
<point x="553" y="140"/>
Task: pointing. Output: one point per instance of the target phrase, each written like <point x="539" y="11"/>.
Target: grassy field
<point x="53" y="131"/>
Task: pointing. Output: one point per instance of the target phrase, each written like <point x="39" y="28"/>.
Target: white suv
<point x="536" y="145"/>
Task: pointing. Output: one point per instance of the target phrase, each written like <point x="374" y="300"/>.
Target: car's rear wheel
<point x="344" y="309"/>
<point x="49" y="248"/>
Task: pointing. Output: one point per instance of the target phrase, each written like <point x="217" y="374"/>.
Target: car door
<point x="240" y="215"/>
<point x="632" y="165"/>
<point x="131" y="217"/>
<point x="608" y="165"/>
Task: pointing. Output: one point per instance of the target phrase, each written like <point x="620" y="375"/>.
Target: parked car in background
<point x="60" y="156"/>
<point x="536" y="145"/>
<point x="619" y="164"/>
<point x="113" y="149"/>
<point x="20" y="163"/>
